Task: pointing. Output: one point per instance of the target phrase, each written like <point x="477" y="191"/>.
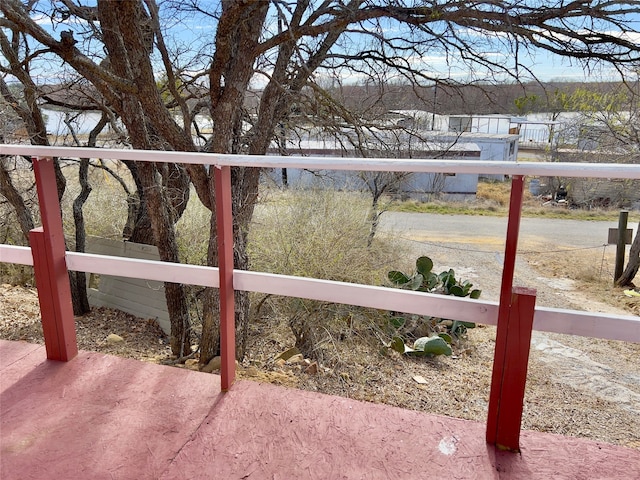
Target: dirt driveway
<point x="474" y="247"/>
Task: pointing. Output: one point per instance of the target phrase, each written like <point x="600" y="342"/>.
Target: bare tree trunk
<point x="377" y="184"/>
<point x="138" y="227"/>
<point x="140" y="230"/>
<point x="128" y="37"/>
<point x="238" y="32"/>
<point x="78" y="279"/>
<point x="244" y="198"/>
<point x="176" y="183"/>
<point x="9" y="191"/>
<point x="155" y="216"/>
<point x="374" y="220"/>
<point x="61" y="181"/>
<point x="630" y="272"/>
<point x="165" y="240"/>
<point x="373" y="228"/>
<point x="210" y="340"/>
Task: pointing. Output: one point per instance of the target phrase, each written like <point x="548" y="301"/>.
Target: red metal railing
<point x="50" y="268"/>
<point x="515" y="315"/>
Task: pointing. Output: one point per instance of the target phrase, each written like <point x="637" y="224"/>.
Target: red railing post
<point x="510" y="365"/>
<point x="511" y="244"/>
<point x="50" y="268"/>
<point x="506" y="290"/>
<point x="224" y="222"/>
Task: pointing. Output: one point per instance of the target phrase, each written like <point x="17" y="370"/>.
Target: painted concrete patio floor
<point x="104" y="417"/>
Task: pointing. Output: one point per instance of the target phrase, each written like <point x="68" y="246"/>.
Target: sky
<point x="190" y="33"/>
<point x="545" y="65"/>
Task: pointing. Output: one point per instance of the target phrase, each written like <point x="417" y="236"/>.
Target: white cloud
<point x="633" y="37"/>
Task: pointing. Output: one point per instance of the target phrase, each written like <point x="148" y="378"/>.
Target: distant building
<point x="532" y="132"/>
<point x="501" y="147"/>
<point x="417" y="186"/>
<point x="397" y="143"/>
<point x="489" y="124"/>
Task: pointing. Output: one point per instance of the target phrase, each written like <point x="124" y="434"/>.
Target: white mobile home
<point x="418" y="186"/>
<point x="499" y="147"/>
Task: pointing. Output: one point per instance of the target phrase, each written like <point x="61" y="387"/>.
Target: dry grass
<point x="192" y="232"/>
<point x="592" y="272"/>
<point x="105" y="211"/>
<point x="492" y="199"/>
<point x="494" y="192"/>
<point x="318" y="234"/>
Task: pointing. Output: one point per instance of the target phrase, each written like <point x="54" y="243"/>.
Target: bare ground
<point x="576" y="386"/>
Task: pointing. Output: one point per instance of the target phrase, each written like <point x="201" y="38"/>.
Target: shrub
<point x="319" y="234"/>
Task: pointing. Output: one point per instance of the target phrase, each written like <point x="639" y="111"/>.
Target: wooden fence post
<point x="50" y="268"/>
<point x="224" y="222"/>
<point x="510" y="364"/>
<point x="620" y="245"/>
<point x="506" y="290"/>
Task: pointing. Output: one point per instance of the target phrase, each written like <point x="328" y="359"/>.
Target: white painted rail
<point x="615" y="327"/>
<point x="572" y="322"/>
<point x="15" y="254"/>
<point x="612" y="327"/>
<point x="145" y="269"/>
<point x="588" y="170"/>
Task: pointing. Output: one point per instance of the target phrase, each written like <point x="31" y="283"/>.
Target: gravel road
<point x="473" y="229"/>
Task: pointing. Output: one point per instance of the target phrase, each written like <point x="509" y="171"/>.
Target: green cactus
<point x="434" y="345"/>
<point x="444" y="331"/>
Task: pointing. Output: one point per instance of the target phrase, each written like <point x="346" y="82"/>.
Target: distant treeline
<point x="453" y="99"/>
<point x="445" y="98"/>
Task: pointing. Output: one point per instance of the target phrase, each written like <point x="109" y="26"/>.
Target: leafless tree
<point x="122" y="47"/>
<point x="616" y="117"/>
<point x="611" y="124"/>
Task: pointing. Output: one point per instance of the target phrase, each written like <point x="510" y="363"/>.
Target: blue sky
<point x="190" y="34"/>
<point x="545" y="65"/>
